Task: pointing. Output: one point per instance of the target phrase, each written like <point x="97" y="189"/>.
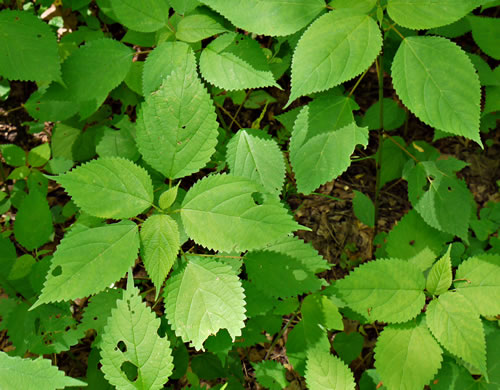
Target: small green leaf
<point x="167" y="198"/>
<point x="13" y="155"/>
<point x="364" y="208"/>
<point x="440" y="276"/>
<point x="325" y="371"/>
<point x="39" y="155"/>
<point x="194" y="28"/>
<point x="348" y="345"/>
<point x="323" y="311"/>
<point x="109" y="187"/>
<point x="143" y="16"/>
<point x="131" y="336"/>
<point x="271" y="375"/>
<point x="486" y="32"/>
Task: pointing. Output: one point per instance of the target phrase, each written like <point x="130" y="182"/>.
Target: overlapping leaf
<point x="447" y="101"/>
<point x="325" y="371"/>
<point x="485" y="32"/>
<point x="131" y="337"/>
<point x="203" y="297"/>
<point x="143" y="16"/>
<point x="440" y="276"/>
<point x="194" y="28"/>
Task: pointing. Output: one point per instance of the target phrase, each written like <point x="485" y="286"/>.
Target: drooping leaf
<point x="407" y="356"/>
<point x="448" y="102"/>
<point x="325" y="371"/>
<point x="389" y="290"/>
<point x="353" y="43"/>
<point x="425" y="14"/>
<point x="21" y="374"/>
<point x="143" y="16"/>
<point x="131" y="338"/>
<point x="457" y="326"/>
<point x="110" y="187"/>
<point x="98" y="256"/>
<point x="203" y="297"/>
<point x="159" y="246"/>
<point x="271" y="375"/>
<point x="440" y="276"/>
<point x="230" y="213"/>
<point x="235" y="61"/>
<point x="268" y="17"/>
<point x="28" y="48"/>
<point x="194" y="28"/>
<point x="478" y="280"/>
<point x="177" y="126"/>
<point x="485" y="32"/>
<point x="251" y="155"/>
<point x="327" y="154"/>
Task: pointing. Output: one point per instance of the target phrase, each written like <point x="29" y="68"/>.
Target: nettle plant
<point x="169" y="169"/>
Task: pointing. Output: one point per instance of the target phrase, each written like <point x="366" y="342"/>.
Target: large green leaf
<point x="234" y="61"/>
<point x="327" y="154"/>
<point x="353" y="43"/>
<point x="110" y="187"/>
<point x="131" y="337"/>
<point x="325" y="371"/>
<point x="227" y="213"/>
<point x="40" y="374"/>
<point x="440" y="276"/>
<point x="478" y="280"/>
<point x="268" y="17"/>
<point x="28" y="48"/>
<point x="389" y="290"/>
<point x="407" y="356"/>
<point x="88" y="261"/>
<point x="457" y="326"/>
<point x="159" y="246"/>
<point x="143" y="15"/>
<point x="485" y="32"/>
<point x="258" y="158"/>
<point x="177" y="126"/>
<point x="447" y="101"/>
<point x="203" y="297"/>
<point x="424" y="14"/>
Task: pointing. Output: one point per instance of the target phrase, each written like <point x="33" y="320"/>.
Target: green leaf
<point x="448" y="102"/>
<point x="325" y="371"/>
<point x="252" y="155"/>
<point x="142" y="16"/>
<point x="168" y="197"/>
<point x="454" y="322"/>
<point x="159" y="247"/>
<point x="388" y="290"/>
<point x="109" y="187"/>
<point x="88" y="261"/>
<point x="224" y="212"/>
<point x="348" y="345"/>
<point x="33" y="224"/>
<point x="118" y="143"/>
<point x="407" y="357"/>
<point x="131" y="338"/>
<point x="235" y="61"/>
<point x="13" y="155"/>
<point x="353" y="43"/>
<point x="440" y="276"/>
<point x="271" y="375"/>
<point x="318" y="310"/>
<point x="327" y="154"/>
<point x="202" y="297"/>
<point x="453" y="377"/>
<point x="478" y="280"/>
<point x="194" y="28"/>
<point x="39" y="155"/>
<point x="28" y="48"/>
<point x="21" y="374"/>
<point x="359" y="5"/>
<point x="486" y="32"/>
<point x="394" y="116"/>
<point x="178" y="121"/>
<point x="425" y="14"/>
<point x="364" y="208"/>
<point x="184" y="6"/>
<point x="268" y="17"/>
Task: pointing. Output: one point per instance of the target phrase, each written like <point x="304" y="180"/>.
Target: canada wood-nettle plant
<point x="166" y="168"/>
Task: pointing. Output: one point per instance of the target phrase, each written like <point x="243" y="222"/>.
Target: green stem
<point x="233" y="120"/>
<point x="380" y="70"/>
<point x="326" y="196"/>
<point x="280" y="334"/>
<point x="357" y="83"/>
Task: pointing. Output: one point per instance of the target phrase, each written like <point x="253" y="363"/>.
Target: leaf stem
<point x="280" y="334"/>
<point x="357" y="82"/>
<point x="326" y="196"/>
<point x="239" y="109"/>
<point x="402" y="147"/>
<point x="380" y="72"/>
<point x="229" y="115"/>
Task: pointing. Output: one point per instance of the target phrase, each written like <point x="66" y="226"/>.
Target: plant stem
<point x="326" y="196"/>
<point x="280" y="334"/>
<point x="229" y="115"/>
<point x="4" y="179"/>
<point x="233" y="120"/>
<point x="402" y="148"/>
<point x="380" y="71"/>
<point x="357" y="82"/>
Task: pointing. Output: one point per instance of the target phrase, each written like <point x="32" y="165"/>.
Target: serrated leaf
<point x="268" y="17"/>
<point x="194" y="28"/>
<point x="21" y="374"/>
<point x="440" y="276"/>
<point x="168" y="197"/>
<point x="457" y="326"/>
<point x="271" y="375"/>
<point x="178" y="121"/>
<point x="98" y="256"/>
<point x="327" y="154"/>
<point x="485" y="32"/>
<point x="235" y="61"/>
<point x="425" y="14"/>
<point x="448" y="102"/>
<point x="407" y="357"/>
<point x="131" y="336"/>
<point x="389" y="290"/>
<point x="203" y="297"/>
<point x="109" y="187"/>
<point x="224" y="212"/>
<point x="478" y="280"/>
<point x="160" y="244"/>
<point x="28" y="48"/>
<point x="143" y="16"/>
<point x="251" y="155"/>
<point x="325" y="372"/>
<point x="353" y="43"/>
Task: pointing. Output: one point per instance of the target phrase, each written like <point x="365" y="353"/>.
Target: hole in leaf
<point x="121" y="346"/>
<point x="450" y="189"/>
<point x="130" y="370"/>
<point x="57" y="271"/>
<point x="38" y="35"/>
<point x="412" y="242"/>
<point x="95" y="318"/>
<point x="183" y="127"/>
<point x="258" y="198"/>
